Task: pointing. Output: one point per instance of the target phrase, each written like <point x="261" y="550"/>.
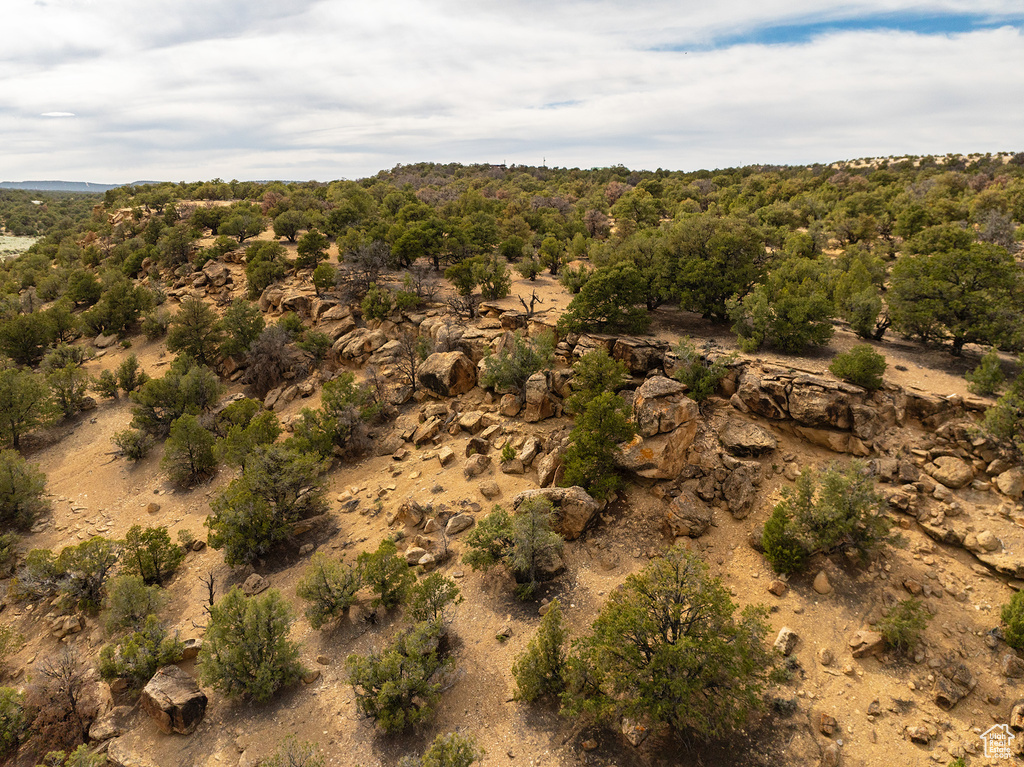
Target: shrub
<point x="573" y="278"/>
<point x="316" y="343"/>
<point x="452" y="750"/>
<point x="643" y="660"/>
<point x="254" y="513"/>
<point x="387" y="574"/>
<point x="188" y="452"/>
<point x="83" y="571"/>
<point x="60" y="706"/>
<point x="237" y="445"/>
<point x="139" y="654"/>
<point x="63" y="355"/>
<point x="524" y="542"/>
<point x="312" y="249"/>
<point x="790" y="310"/>
<point x="133" y="444"/>
<point x="155" y="324"/>
<point x="246" y="651"/>
<point x="698" y="371"/>
<point x="22" y="491"/>
<point x="267" y="359"/>
<point x="1012" y="616"/>
<point x="68" y="385"/>
<point x="862" y="366"/>
<point x="8" y="553"/>
<point x="836" y="510"/>
<point x="291" y="753"/>
<point x="12" y="720"/>
<point x="265" y="264"/>
<point x="340" y="424"/>
<point x="529" y="268"/>
<point x="324" y="278"/>
<point x="397" y="687"/>
<point x="782" y="546"/>
<point x="431" y="598"/>
<point x="25" y="403"/>
<point x="507" y="452"/>
<point x="195" y="331"/>
<point x="151" y="554"/>
<point x="130" y="376"/>
<point x="330" y="587"/>
<point x="593" y="374"/>
<point x="509" y="369"/>
<point x="612" y="299"/>
<point x="130" y="601"/>
<point x="903" y="626"/>
<point x="106" y="384"/>
<point x="242" y="323"/>
<point x="10" y="642"/>
<point x="540" y="670"/>
<point x="491" y="273"/>
<point x="377" y="303"/>
<point x="987" y="378"/>
<point x="185" y="388"/>
<point x="590" y="459"/>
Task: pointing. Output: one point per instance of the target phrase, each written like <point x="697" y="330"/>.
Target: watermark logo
<point x="997" y="741"/>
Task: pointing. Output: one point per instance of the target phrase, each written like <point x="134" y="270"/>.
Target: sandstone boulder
<point x="217" y="273"/>
<point x="1011" y="483"/>
<point x="475" y="465"/>
<point x="951" y="471"/>
<point x="746" y="439"/>
<point x="540" y="403"/>
<point x="447" y="374"/>
<point x="687" y="516"/>
<point x="740" y="489"/>
<point x="639" y="355"/>
<point x="173" y="700"/>
<point x="786" y="641"/>
<point x="660" y="406"/>
<point x="573" y="506"/>
<point x="660" y="457"/>
<point x="866" y="642"/>
<point x="458" y="523"/>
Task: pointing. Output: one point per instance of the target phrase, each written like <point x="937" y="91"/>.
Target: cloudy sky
<point x="114" y="91"/>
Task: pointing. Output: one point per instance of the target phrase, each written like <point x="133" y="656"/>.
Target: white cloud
<point x="237" y="89"/>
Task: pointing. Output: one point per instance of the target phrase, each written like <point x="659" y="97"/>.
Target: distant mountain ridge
<point x="66" y="186"/>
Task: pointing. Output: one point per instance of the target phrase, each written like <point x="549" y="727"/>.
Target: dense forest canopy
<point x="924" y="246"/>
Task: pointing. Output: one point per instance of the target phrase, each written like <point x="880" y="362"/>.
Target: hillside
<point x="426" y="440"/>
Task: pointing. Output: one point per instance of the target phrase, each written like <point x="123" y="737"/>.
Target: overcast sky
<point x="114" y="91"/>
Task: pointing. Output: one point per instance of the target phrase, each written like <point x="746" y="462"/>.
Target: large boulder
<point x="687" y="516"/>
<point x="1011" y="483"/>
<point x="661" y="405"/>
<point x="447" y="374"/>
<point x="741" y="438"/>
<point x="659" y="457"/>
<point x="951" y="471"/>
<point x="574" y="508"/>
<point x="174" y="701"/>
<point x="539" y="402"/>
<point x="739" y="488"/>
<point x="639" y="355"/>
<point x="767" y="396"/>
<point x="819" y="406"/>
<point x="217" y="273"/>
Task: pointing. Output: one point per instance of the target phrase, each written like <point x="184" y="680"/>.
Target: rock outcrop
<point x="173" y="700"/>
<point x="447" y="374"/>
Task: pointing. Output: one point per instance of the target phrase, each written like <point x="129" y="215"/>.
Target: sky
<point x="114" y="91"/>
